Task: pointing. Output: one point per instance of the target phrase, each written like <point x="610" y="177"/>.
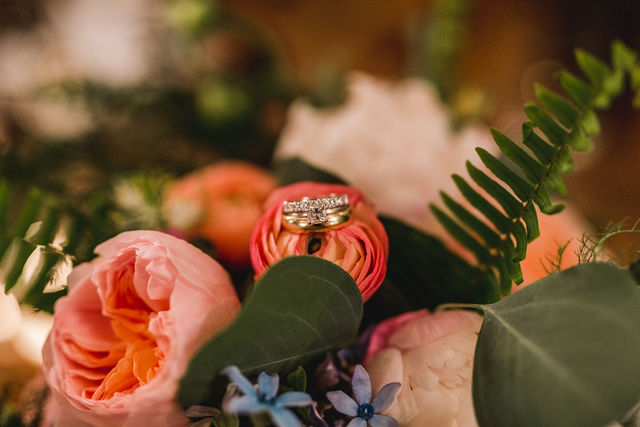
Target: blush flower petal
<point x="432" y="355"/>
<point x="132" y="319"/>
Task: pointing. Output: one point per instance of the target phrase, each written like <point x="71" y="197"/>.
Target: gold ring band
<point x="316" y="214"/>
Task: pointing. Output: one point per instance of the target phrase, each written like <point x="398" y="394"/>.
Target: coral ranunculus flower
<point x="133" y="318"/>
<point x="432" y="356"/>
<point x="360" y="246"/>
<point x="221" y="203"/>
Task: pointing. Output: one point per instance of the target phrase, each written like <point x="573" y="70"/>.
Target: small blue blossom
<point x="363" y="409"/>
<point x="263" y="398"/>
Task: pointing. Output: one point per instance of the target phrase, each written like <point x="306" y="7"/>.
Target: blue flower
<point x="363" y="409"/>
<point x="263" y="398"/>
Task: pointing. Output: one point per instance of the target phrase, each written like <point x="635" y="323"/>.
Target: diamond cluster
<point x="306" y="205"/>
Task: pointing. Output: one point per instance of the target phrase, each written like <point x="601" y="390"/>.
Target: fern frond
<point x="506" y="218"/>
<point x="37" y="237"/>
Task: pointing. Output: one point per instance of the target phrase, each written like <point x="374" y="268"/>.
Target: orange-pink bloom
<point x="133" y="318"/>
<point x="432" y="356"/>
<point x="562" y="230"/>
<point x="360" y="246"/>
<point x="221" y="203"/>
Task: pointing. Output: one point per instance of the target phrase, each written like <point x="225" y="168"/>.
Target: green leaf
<point x="13" y="262"/>
<point x="29" y="213"/>
<point x="423" y="270"/>
<point x="531" y="220"/>
<point x="590" y="123"/>
<point x="579" y="141"/>
<point x="545" y="123"/>
<point x="538" y="146"/>
<point x="561" y="352"/>
<point x="532" y="169"/>
<point x="5" y="196"/>
<point x="596" y="70"/>
<point x="519" y="186"/>
<point x="559" y="106"/>
<point x="498" y="219"/>
<point x="581" y="93"/>
<point x="509" y="203"/>
<point x="298" y="379"/>
<point x="483" y="230"/>
<point x="622" y="56"/>
<point x="302" y="307"/>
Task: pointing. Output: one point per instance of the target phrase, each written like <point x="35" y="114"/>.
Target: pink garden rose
<point x="221" y="203"/>
<point x="432" y="356"/>
<point x="360" y="247"/>
<point x="133" y="318"/>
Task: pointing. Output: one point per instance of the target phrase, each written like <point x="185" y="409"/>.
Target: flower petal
<point x="240" y="380"/>
<point x="343" y="403"/>
<point x="284" y="418"/>
<point x="244" y="405"/>
<point x="357" y="422"/>
<point x="293" y="399"/>
<point x="361" y="385"/>
<point x="385" y="397"/>
<point x="268" y="385"/>
<point x="379" y="420"/>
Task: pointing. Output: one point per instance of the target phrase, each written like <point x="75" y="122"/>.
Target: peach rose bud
<point x="221" y="203"/>
<point x="360" y="246"/>
<point x="432" y="356"/>
<point x="134" y="316"/>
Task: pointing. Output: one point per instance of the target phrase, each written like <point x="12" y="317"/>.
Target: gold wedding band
<point x="316" y="214"/>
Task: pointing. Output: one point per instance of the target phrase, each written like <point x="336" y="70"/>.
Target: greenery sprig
<point x="36" y="239"/>
<point x="555" y="128"/>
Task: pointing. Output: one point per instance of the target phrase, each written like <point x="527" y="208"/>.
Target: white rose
<point x="22" y="336"/>
<point x="394" y="141"/>
<point x="432" y="356"/>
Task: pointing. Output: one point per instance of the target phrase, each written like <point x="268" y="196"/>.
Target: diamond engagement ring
<point x="316" y="214"/>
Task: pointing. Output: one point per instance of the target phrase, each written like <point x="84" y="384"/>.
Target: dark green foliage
<point x="37" y="235"/>
<point x="498" y="237"/>
<point x="426" y="274"/>
<point x="561" y="352"/>
<point x="301" y="307"/>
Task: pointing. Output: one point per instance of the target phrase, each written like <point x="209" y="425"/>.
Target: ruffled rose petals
<point x="360" y="246"/>
<point x="432" y="356"/>
<point x="123" y="336"/>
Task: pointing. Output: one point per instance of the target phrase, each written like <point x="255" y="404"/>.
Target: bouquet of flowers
<point x="350" y="285"/>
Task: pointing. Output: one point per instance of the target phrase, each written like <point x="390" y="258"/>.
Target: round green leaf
<point x="301" y="307"/>
<point x="561" y="352"/>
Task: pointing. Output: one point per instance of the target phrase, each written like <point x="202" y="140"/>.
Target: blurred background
<point x="96" y="93"/>
<point x="93" y="88"/>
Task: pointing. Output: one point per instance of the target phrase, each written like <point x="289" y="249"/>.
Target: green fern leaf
<point x="579" y="91"/>
<point x="564" y="111"/>
<point x="557" y="127"/>
<point x="532" y="169"/>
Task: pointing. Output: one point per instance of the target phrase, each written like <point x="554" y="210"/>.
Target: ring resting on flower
<point x="316" y="214"/>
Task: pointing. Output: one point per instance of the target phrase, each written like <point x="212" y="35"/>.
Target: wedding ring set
<point x="316" y="214"/>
